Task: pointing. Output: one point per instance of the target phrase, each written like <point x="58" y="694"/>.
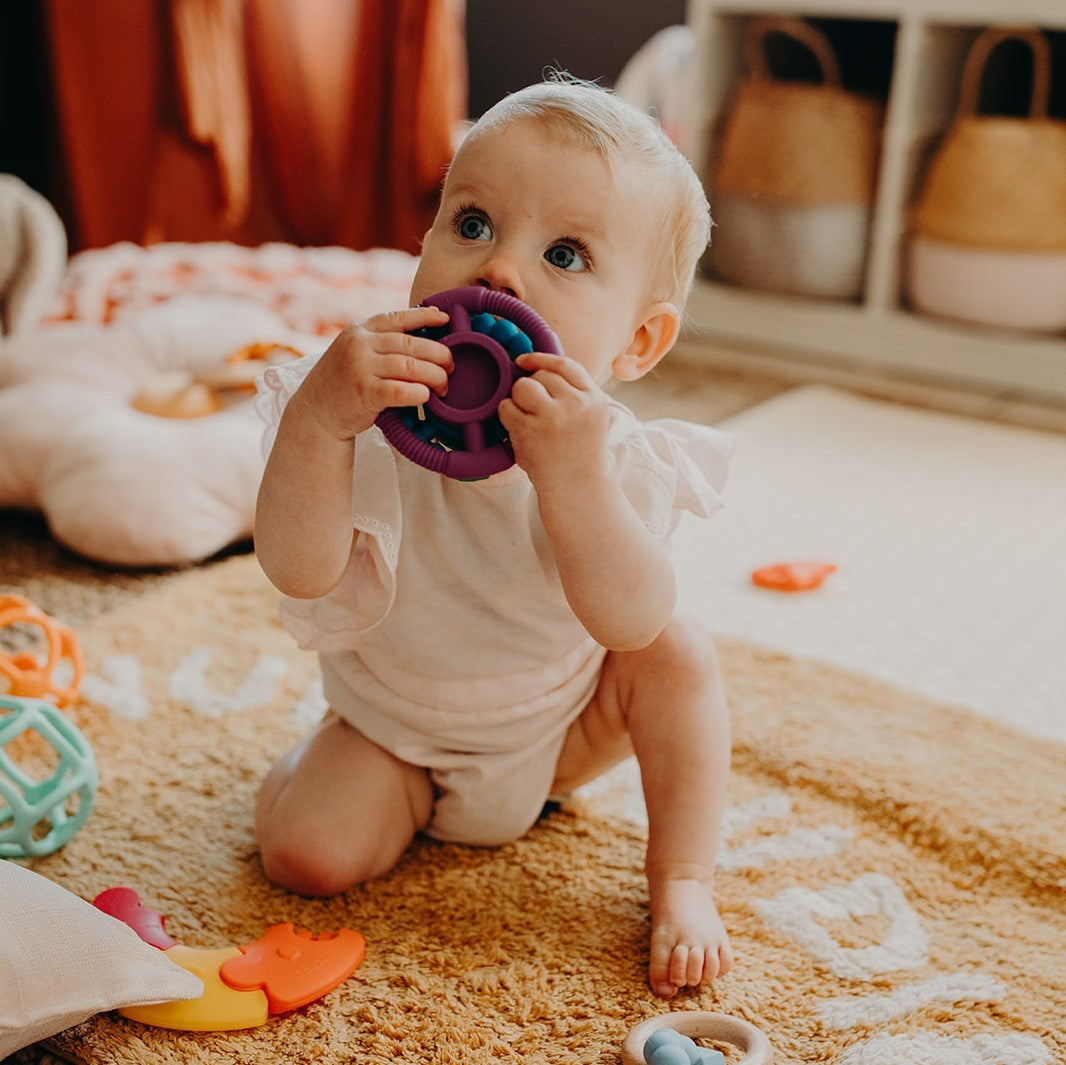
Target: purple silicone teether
<point x="460" y="435"/>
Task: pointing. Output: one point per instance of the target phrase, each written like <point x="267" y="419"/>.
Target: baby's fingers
<point x="406" y="354"/>
<point x="406" y="320"/>
<point x="573" y="373"/>
<point x="413" y="376"/>
<point x="393" y="333"/>
<point x="405" y="357"/>
<point x="389" y="367"/>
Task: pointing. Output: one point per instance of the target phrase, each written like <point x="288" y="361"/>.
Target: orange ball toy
<point x="53" y="668"/>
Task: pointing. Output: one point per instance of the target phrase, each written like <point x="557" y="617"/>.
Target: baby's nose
<point x="501" y="276"/>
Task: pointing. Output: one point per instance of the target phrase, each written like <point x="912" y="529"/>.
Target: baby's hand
<point x="377" y="364"/>
<point x="557" y="420"/>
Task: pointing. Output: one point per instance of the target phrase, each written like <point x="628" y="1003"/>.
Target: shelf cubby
<point x="910" y="54"/>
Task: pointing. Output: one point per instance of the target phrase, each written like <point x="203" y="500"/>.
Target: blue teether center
<point x="35" y="818"/>
<point x="503" y="331"/>
<point x="669" y="1047"/>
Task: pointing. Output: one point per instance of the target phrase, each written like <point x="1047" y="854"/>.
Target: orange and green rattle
<point x="41" y="810"/>
<point x="48" y="774"/>
<point x="51" y="667"/>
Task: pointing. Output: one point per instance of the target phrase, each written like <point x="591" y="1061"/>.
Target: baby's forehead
<point x="614" y="171"/>
<point x="611" y="198"/>
<point x="552" y="130"/>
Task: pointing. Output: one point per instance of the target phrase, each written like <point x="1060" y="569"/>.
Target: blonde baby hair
<point x="592" y="117"/>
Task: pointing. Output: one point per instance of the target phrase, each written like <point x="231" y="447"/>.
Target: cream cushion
<point x="62" y="960"/>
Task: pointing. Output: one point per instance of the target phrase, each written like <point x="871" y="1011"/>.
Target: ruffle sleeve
<point x="668" y="467"/>
<point x="273" y="390"/>
<point x="367" y="587"/>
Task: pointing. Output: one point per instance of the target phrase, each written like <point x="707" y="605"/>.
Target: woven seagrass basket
<point x="987" y="242"/>
<point x="999" y="181"/>
<point x="795" y="175"/>
<point x="792" y="142"/>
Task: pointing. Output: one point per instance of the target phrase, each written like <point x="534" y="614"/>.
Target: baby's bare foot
<point x="689" y="943"/>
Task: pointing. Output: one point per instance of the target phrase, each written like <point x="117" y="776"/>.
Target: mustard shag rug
<point x="892" y="875"/>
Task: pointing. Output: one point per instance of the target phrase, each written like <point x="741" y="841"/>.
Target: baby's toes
<point x="682" y="960"/>
<point x="662" y="970"/>
<point x="694" y="967"/>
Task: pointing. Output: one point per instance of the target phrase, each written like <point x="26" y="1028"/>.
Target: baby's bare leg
<point x="338" y="810"/>
<point x="666" y="704"/>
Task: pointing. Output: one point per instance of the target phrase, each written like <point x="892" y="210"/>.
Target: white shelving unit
<point x="879" y="332"/>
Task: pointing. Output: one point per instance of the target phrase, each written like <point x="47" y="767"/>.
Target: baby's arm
<point x="618" y="578"/>
<point x="303" y="519"/>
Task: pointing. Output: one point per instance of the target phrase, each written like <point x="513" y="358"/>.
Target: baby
<point x="485" y="645"/>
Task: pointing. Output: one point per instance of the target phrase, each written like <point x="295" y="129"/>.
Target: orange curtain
<point x="108" y="70"/>
<point x="309" y="121"/>
<point x="416" y="48"/>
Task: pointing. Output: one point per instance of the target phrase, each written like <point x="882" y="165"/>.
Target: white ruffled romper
<point x="448" y="640"/>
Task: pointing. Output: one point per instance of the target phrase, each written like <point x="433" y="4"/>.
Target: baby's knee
<point x="316" y="868"/>
<point x="683" y="655"/>
<point x="300" y="869"/>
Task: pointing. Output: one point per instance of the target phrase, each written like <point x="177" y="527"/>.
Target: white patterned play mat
<point x="949" y="534"/>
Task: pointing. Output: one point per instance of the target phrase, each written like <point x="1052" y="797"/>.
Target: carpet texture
<point x="892" y="875"/>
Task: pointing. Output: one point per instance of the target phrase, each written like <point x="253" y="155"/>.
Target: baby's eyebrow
<point x="466" y="190"/>
<point x="585" y="228"/>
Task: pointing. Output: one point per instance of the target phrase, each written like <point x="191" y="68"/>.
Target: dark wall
<point x="27" y="147"/>
<point x="511" y="42"/>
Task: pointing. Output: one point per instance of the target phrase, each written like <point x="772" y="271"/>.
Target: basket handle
<point x="974" y="70"/>
<point x="758" y="29"/>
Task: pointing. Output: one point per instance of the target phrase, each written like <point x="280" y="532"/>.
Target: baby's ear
<point x="654" y="337"/>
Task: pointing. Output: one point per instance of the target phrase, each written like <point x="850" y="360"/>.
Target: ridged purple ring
<point x="484" y="374"/>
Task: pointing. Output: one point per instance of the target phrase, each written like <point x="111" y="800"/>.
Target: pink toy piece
<point x="125" y="904"/>
<point x="294" y="968"/>
<point x="475" y="445"/>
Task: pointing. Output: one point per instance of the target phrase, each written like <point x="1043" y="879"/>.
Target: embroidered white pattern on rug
<point x="850" y="1011"/>
<point x="822" y="841"/>
<point x="118" y="687"/>
<point x="928" y="1049"/>
<point x="797" y="910"/>
<point x="188" y="684"/>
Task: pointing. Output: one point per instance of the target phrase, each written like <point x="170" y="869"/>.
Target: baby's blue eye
<point x="474" y="227"/>
<point x="565" y="257"/>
